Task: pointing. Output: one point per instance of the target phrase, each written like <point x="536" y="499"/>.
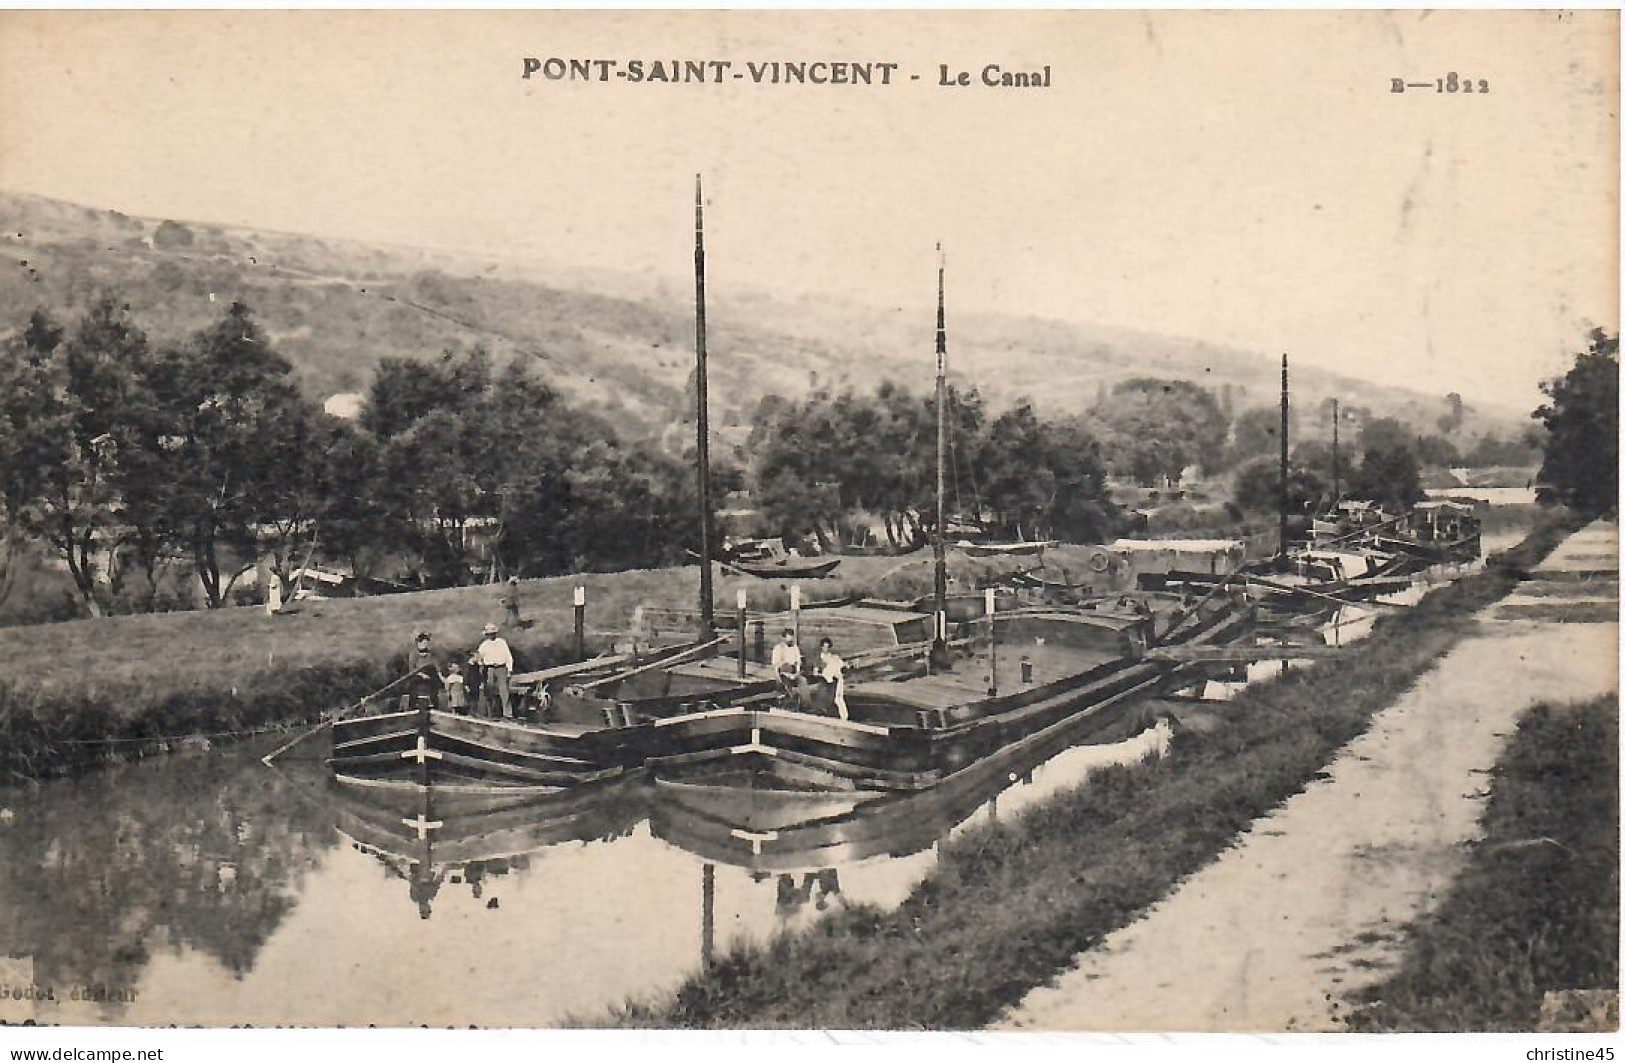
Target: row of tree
<point x="122" y="456"/>
<point x="205" y="452"/>
<point x="816" y="465"/>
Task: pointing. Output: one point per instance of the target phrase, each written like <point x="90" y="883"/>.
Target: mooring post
<point x="992" y="646"/>
<point x="581" y="623"/>
<point x="742" y="600"/>
<point x="708" y="913"/>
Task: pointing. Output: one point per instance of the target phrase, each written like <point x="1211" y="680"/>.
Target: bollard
<point x="741" y="601"/>
<point x="795" y="611"/>
<point x="1026" y="669"/>
<point x="581" y="623"/>
<point x="992" y="647"/>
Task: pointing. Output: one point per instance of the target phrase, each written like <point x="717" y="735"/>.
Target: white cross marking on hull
<point x="421" y="752"/>
<point x="423" y="825"/>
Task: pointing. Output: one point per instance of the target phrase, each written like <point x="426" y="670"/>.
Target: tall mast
<point x="940" y="637"/>
<point x="702" y="419"/>
<point x="1285" y="402"/>
<point x="1337" y="465"/>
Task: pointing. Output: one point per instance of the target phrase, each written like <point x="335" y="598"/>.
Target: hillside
<point x="620" y="342"/>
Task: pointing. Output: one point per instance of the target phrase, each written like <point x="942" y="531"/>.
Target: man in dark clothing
<point x="427" y="680"/>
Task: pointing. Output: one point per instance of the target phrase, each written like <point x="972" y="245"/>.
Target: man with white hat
<point x="495" y="660"/>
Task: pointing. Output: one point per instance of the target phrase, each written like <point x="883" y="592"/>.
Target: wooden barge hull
<point x="744" y="732"/>
<point x="764" y="829"/>
<point x="747" y="747"/>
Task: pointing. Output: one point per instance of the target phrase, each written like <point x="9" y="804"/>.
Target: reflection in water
<point x="201" y="855"/>
<point x="817" y="887"/>
<point x="212" y="890"/>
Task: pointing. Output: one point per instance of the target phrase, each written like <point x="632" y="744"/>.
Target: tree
<point x="1384" y="433"/>
<point x="1491" y="449"/>
<point x="1387" y="476"/>
<point x="1436" y="451"/>
<point x="1257" y="434"/>
<point x="802" y="450"/>
<point x="27" y="448"/>
<point x="95" y="385"/>
<point x="1580" y="467"/>
<point x="1020" y="477"/>
<point x="404" y="390"/>
<point x="237" y="448"/>
<point x="1154" y="429"/>
<point x="1315" y="457"/>
<point x="355" y="519"/>
<point x="1258" y="487"/>
<point x="1079" y="511"/>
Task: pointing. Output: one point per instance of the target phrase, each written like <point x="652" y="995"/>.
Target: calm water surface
<point x="207" y="888"/>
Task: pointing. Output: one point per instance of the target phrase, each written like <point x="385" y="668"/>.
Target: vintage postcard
<point x="1025" y="521"/>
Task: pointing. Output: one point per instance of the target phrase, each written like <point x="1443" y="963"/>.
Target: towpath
<point x="1310" y="904"/>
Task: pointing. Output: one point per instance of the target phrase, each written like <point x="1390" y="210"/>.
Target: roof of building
<point x="1189" y="546"/>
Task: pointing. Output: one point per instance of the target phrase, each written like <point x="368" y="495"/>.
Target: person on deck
<point x="831" y="669"/>
<point x="456" y="689"/>
<point x="425" y="670"/>
<point x="786" y="660"/>
<point x="496" y="664"/>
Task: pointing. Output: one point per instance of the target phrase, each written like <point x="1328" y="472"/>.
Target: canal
<point x="207" y="888"/>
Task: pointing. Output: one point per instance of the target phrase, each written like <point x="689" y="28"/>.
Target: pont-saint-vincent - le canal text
<point x="819" y="72"/>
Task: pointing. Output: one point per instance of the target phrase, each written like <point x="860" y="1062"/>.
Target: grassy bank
<point x="1537" y="906"/>
<point x="1009" y="905"/>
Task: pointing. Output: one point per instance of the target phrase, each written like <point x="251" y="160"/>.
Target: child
<point x="456" y="690"/>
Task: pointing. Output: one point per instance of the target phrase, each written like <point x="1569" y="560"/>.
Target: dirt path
<point x="1309" y="905"/>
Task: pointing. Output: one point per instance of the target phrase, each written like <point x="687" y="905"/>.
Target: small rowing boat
<point x="770" y="559"/>
<point x="1017" y="549"/>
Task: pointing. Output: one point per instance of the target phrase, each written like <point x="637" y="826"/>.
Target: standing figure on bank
<point x="496" y="664"/>
<point x="831" y="669"/>
<point x="511" y="601"/>
<point x="273" y="592"/>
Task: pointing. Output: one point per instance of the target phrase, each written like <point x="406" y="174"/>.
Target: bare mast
<point x="1284" y="444"/>
<point x="939" y="641"/>
<point x="702" y="418"/>
<point x="1337" y="464"/>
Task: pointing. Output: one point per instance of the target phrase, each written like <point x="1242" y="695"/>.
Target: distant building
<point x="345" y="405"/>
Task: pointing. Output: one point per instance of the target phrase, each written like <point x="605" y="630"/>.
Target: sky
<point x="1244" y="178"/>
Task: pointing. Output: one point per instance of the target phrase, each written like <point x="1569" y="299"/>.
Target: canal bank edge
<point x="1011" y="906"/>
<point x="1308" y="909"/>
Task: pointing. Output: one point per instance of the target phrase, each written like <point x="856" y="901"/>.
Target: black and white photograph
<point x="1026" y="522"/>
